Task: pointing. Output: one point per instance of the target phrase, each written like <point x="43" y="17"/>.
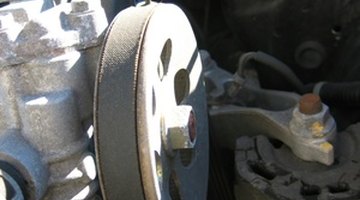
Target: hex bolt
<point x="310" y="104"/>
<point x="78" y="6"/>
<point x="313" y="130"/>
<point x="180" y="125"/>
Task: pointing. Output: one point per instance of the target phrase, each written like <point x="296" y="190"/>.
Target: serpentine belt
<point x="119" y="57"/>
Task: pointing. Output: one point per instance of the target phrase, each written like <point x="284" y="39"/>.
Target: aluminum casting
<point x="47" y="69"/>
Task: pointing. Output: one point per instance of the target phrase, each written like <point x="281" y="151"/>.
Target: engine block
<point x="48" y="61"/>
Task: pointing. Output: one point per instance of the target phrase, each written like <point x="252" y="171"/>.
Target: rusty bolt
<point x="310" y="104"/>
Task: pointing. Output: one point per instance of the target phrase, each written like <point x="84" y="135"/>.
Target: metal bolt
<point x="310" y="104"/>
<point x="78" y="6"/>
<point x="181" y="128"/>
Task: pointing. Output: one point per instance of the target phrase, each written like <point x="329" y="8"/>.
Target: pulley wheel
<point x="150" y="118"/>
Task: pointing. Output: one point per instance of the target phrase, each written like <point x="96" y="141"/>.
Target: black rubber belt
<point x="115" y="106"/>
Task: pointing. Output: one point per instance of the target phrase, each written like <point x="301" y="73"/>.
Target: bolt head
<point x="318" y="125"/>
<point x="180" y="125"/>
<point x="310" y="104"/>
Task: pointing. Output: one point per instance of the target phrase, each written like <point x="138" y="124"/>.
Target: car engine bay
<point x="180" y="99"/>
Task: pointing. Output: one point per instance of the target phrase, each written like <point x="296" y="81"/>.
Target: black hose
<point x="341" y="94"/>
<point x="273" y="63"/>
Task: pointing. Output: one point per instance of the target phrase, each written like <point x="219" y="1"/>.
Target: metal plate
<point x="150" y="64"/>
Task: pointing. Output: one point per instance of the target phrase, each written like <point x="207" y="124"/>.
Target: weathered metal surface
<point x="46" y="94"/>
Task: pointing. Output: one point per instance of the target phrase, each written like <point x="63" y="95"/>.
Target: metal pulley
<point x="151" y="129"/>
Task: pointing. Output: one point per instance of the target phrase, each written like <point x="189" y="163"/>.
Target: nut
<point x="310" y="104"/>
<point x="313" y="130"/>
<point x="180" y="126"/>
<point x="317" y="125"/>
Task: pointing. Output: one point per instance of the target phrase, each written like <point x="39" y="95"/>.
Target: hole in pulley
<point x="174" y="186"/>
<point x="164" y="61"/>
<point x="181" y="85"/>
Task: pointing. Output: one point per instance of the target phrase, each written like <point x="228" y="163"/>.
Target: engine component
<point x="48" y="63"/>
<point x="216" y="80"/>
<point x="324" y="48"/>
<point x="9" y="187"/>
<point x="150" y="110"/>
<point x="309" y="136"/>
<point x="306" y="47"/>
<point x="267" y="169"/>
<point x="305" y="125"/>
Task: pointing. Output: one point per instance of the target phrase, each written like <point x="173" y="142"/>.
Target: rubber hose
<point x="346" y="94"/>
<point x="271" y="62"/>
